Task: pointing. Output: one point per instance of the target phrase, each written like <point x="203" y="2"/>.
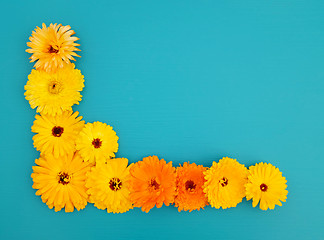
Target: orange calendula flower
<point x="152" y="183"/>
<point x="61" y="181"/>
<point x="52" y="47"/>
<point x="190" y="181"/>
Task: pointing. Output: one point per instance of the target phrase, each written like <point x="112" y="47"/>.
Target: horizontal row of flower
<point x="70" y="182"/>
<point x="77" y="161"/>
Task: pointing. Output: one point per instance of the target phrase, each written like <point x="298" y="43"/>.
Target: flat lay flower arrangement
<point x="77" y="161"/>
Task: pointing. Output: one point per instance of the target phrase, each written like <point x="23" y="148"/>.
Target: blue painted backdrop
<point x="187" y="81"/>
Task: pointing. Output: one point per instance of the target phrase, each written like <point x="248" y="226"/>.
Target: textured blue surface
<point x="187" y="81"/>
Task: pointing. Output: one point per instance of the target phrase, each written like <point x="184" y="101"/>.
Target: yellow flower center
<point x="53" y="49"/>
<point x="63" y="178"/>
<point x="55" y="87"/>
<point x="263" y="187"/>
<point x="153" y="185"/>
<point x="223" y="181"/>
<point x="190" y="186"/>
<point x="115" y="184"/>
<point x="57" y="131"/>
<point x="97" y="143"/>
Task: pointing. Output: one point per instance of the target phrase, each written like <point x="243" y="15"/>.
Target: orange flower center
<point x="153" y="185"/>
<point x="57" y="131"/>
<point x="223" y="181"/>
<point x="54" y="87"/>
<point x="190" y="186"/>
<point x="52" y="49"/>
<point x="115" y="184"/>
<point x="63" y="178"/>
<point x="97" y="143"/>
<point x="263" y="187"/>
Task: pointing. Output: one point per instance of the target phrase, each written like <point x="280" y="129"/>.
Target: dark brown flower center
<point x="223" y="181"/>
<point x="96" y="143"/>
<point x="154" y="185"/>
<point x="263" y="187"/>
<point x="51" y="49"/>
<point x="57" y="131"/>
<point x="63" y="178"/>
<point x="115" y="184"/>
<point x="190" y="185"/>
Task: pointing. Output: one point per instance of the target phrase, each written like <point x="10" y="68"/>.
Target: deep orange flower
<point x="152" y="183"/>
<point x="190" y="181"/>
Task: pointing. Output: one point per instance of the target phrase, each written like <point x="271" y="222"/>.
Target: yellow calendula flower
<point x="52" y="47"/>
<point x="225" y="183"/>
<point x="108" y="186"/>
<point x="266" y="185"/>
<point x="57" y="135"/>
<point x="97" y="142"/>
<point x="61" y="181"/>
<point x="53" y="93"/>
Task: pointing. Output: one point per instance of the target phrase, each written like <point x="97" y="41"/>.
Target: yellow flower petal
<point x="108" y="186"/>
<point x="225" y="180"/>
<point x="266" y="185"/>
<point x="56" y="135"/>
<point x="52" y="47"/>
<point x="97" y="142"/>
<point x="55" y="184"/>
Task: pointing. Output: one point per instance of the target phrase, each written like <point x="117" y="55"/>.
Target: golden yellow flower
<point x="61" y="181"/>
<point x="108" y="186"/>
<point x="97" y="142"/>
<point x="53" y="93"/>
<point x="57" y="135"/>
<point x="52" y="47"/>
<point x="266" y="185"/>
<point x="225" y="183"/>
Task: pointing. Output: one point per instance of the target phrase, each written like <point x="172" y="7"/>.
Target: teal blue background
<point x="187" y="81"/>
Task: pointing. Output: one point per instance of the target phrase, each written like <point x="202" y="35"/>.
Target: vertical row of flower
<point x="77" y="161"/>
<point x="72" y="152"/>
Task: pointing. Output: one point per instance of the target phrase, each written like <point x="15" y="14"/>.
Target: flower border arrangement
<point x="77" y="161"/>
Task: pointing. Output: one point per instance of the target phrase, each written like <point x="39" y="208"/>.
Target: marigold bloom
<point x="53" y="93"/>
<point x="225" y="183"/>
<point x="152" y="183"/>
<point x="57" y="135"/>
<point x="52" y="47"/>
<point x="97" y="142"/>
<point x="108" y="186"/>
<point x="61" y="181"/>
<point x="266" y="185"/>
<point x="190" y="181"/>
